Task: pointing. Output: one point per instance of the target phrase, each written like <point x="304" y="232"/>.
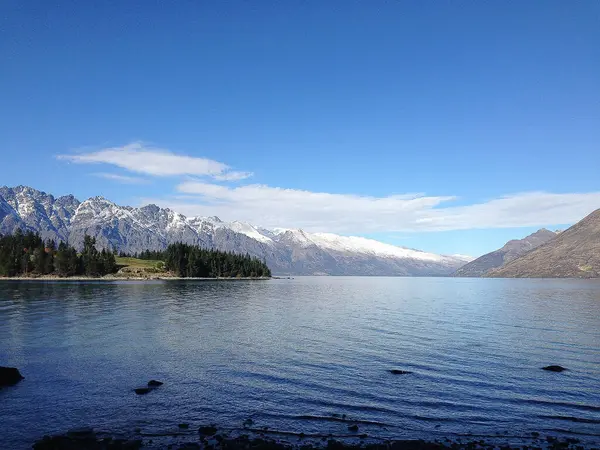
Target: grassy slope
<point x="135" y="263"/>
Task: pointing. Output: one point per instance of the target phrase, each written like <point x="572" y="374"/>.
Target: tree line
<point x="150" y="255"/>
<point x="28" y="254"/>
<point x="192" y="261"/>
<point x="186" y="260"/>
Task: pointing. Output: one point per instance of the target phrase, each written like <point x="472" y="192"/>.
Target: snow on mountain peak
<point x="355" y="244"/>
<point x="292" y="251"/>
<point x="250" y="231"/>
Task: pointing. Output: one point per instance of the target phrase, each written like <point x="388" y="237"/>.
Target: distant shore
<point x="155" y="277"/>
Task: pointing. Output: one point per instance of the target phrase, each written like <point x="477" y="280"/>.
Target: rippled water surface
<point x="292" y="353"/>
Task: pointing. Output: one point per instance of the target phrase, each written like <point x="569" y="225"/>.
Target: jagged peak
<point x="95" y="202"/>
<point x="69" y="197"/>
<point x="151" y="207"/>
<point x="543" y="231"/>
<point x="150" y="226"/>
<point x="100" y="199"/>
<point x="26" y="189"/>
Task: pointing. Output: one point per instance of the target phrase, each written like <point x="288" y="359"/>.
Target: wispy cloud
<point x="321" y="211"/>
<point x="121" y="178"/>
<point x="233" y="176"/>
<point x="347" y="213"/>
<point x="140" y="158"/>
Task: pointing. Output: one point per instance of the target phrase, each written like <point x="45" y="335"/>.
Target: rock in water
<point x="81" y="433"/>
<point x="399" y="372"/>
<point x="152" y="384"/>
<point x="554" y="368"/>
<point x="142" y="391"/>
<point x="207" y="430"/>
<point x="9" y="376"/>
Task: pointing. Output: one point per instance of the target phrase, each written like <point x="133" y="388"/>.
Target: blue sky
<point x="446" y="126"/>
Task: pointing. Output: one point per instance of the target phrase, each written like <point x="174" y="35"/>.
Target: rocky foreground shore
<point x="208" y="437"/>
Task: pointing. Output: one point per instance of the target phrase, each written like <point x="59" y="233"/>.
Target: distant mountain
<point x="511" y="250"/>
<point x="26" y="208"/>
<point x="286" y="251"/>
<point x="574" y="253"/>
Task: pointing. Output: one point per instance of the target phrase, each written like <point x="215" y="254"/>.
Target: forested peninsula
<point x="27" y="255"/>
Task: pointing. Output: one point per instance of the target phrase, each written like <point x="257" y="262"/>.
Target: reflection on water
<point x="290" y="353"/>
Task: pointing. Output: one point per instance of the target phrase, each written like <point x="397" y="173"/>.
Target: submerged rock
<point x="554" y="368"/>
<point x="81" y="433"/>
<point x="142" y="390"/>
<point x="152" y="384"/>
<point x="353" y="427"/>
<point x="9" y="376"/>
<point x="85" y="438"/>
<point x="207" y="430"/>
<point x="399" y="372"/>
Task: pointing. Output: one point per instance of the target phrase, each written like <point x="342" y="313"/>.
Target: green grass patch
<point x="136" y="263"/>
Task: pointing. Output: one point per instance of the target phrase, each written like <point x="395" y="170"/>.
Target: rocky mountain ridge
<point x="573" y="253"/>
<point x="510" y="251"/>
<point x="286" y="251"/>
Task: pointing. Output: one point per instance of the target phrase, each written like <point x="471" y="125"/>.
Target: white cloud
<point x="345" y="213"/>
<point x="233" y="176"/>
<point x="140" y="158"/>
<point x="121" y="178"/>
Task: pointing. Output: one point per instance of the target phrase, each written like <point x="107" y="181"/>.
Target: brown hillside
<point x="574" y="253"/>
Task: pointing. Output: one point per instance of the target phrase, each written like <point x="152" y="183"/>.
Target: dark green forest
<point x="191" y="261"/>
<point x="186" y="260"/>
<point x="28" y="254"/>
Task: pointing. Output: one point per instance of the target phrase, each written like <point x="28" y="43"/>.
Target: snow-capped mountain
<point x="27" y="208"/>
<point x="287" y="251"/>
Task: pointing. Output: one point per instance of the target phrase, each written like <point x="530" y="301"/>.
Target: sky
<point x="447" y="126"/>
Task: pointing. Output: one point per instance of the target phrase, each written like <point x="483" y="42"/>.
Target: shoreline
<point x="132" y="278"/>
<point x="187" y="437"/>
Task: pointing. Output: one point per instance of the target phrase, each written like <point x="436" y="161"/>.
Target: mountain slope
<point x="28" y="209"/>
<point x="511" y="250"/>
<point x="573" y="253"/>
<point x="293" y="252"/>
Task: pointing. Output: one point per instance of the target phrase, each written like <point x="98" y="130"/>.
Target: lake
<point x="297" y="354"/>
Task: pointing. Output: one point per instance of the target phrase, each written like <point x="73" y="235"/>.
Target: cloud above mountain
<point x="126" y="179"/>
<point x="140" y="158"/>
<point x="197" y="193"/>
<point x="347" y="213"/>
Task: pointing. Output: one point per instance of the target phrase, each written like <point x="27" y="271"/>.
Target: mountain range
<point x="512" y="250"/>
<point x="573" y="253"/>
<point x="286" y="251"/>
